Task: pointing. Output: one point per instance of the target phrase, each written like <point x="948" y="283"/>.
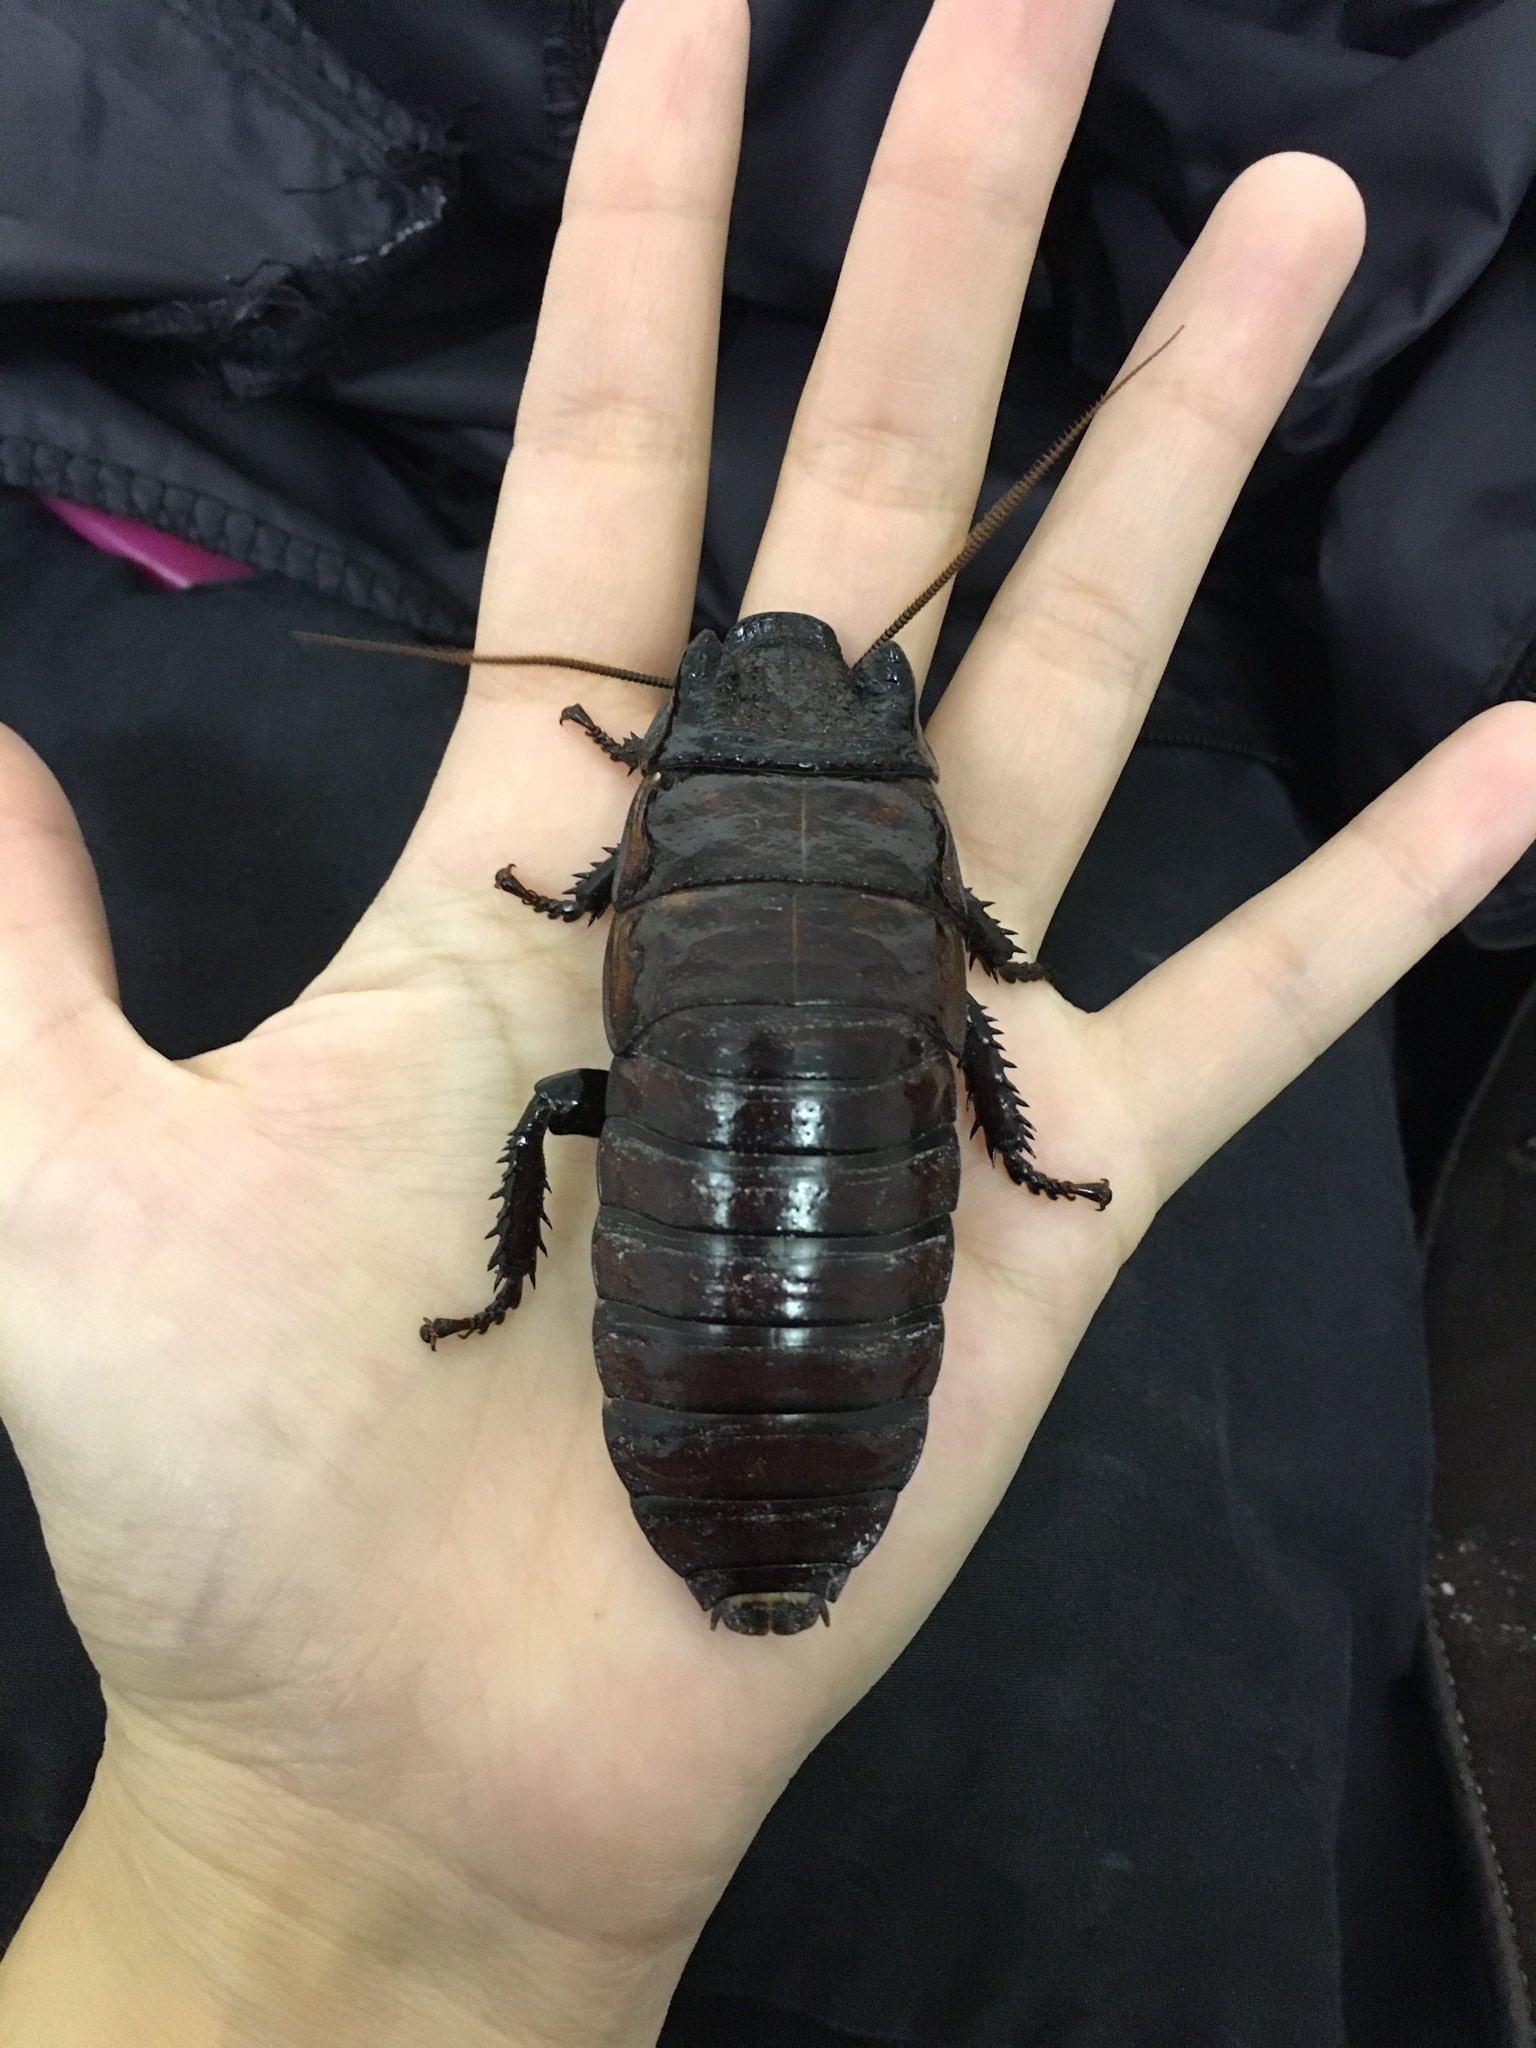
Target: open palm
<point x="326" y="1574"/>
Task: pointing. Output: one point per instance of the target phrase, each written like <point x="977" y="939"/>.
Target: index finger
<point x="595" y="548"/>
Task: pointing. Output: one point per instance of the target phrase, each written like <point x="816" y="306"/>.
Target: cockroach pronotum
<point x="785" y="997"/>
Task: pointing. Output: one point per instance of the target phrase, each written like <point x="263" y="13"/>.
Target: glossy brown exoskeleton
<point x="785" y="996"/>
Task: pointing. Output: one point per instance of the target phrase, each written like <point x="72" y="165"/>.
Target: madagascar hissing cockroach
<point x="785" y="996"/>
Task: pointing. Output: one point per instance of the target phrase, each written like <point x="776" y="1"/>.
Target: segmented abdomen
<point x="771" y="1255"/>
<point x="784" y="989"/>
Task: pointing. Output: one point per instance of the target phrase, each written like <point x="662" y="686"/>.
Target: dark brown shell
<point x="785" y="994"/>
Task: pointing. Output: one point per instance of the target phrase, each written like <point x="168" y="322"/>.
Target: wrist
<point x="279" y="1927"/>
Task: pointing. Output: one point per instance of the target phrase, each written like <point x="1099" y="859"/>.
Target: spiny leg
<point x="570" y="1105"/>
<point x="994" y="948"/>
<point x="1000" y="1114"/>
<point x="625" y="752"/>
<point x="591" y="893"/>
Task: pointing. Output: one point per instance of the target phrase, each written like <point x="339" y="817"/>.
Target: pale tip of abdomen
<point x="770" y="1614"/>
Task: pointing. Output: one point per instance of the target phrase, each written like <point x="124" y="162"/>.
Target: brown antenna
<point x="975" y="541"/>
<point x="463" y="656"/>
<point x="1014" y="497"/>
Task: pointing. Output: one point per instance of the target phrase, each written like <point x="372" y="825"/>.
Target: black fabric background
<point x="282" y="300"/>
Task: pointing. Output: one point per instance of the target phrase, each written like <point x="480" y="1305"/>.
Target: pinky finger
<point x="1207" y="1039"/>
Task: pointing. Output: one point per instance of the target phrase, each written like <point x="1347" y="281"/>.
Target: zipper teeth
<point x="1509" y="1927"/>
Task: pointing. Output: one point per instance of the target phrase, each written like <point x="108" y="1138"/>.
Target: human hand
<point x="411" y="1737"/>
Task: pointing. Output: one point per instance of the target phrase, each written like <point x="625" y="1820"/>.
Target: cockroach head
<point x="776" y="696"/>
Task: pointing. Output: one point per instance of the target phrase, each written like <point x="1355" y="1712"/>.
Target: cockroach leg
<point x="626" y="752"/>
<point x="994" y="948"/>
<point x="591" y="892"/>
<point x="1000" y="1117"/>
<point x="570" y="1105"/>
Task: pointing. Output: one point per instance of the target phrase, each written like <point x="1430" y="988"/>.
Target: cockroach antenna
<point x="975" y="541"/>
<point x="1014" y="497"/>
<point x="462" y="657"/>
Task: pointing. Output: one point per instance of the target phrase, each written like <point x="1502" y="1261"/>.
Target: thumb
<point x="60" y="1027"/>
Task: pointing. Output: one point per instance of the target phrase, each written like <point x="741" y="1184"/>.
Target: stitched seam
<point x="325" y="76"/>
<point x="1492" y="1847"/>
<point x="129" y="493"/>
<point x="1155" y="734"/>
<point x="271" y="328"/>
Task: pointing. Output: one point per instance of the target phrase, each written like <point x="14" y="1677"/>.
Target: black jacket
<point x="270" y="277"/>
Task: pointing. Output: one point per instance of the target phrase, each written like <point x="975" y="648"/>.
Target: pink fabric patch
<point x="173" y="564"/>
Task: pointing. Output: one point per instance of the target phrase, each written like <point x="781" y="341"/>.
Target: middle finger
<point x="891" y="435"/>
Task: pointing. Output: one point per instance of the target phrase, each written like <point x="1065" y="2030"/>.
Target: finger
<point x="1035" y="728"/>
<point x="595" y="549"/>
<point x="58" y="991"/>
<point x="891" y="436"/>
<point x="1208" y="1038"/>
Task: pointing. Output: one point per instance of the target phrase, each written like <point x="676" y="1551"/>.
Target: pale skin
<point x="411" y="1737"/>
